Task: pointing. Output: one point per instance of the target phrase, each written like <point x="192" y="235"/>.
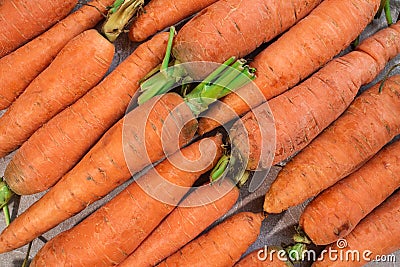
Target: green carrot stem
<point x="7" y="217"/>
<point x="355" y="43"/>
<point x="119" y="15"/>
<point x="25" y="263"/>
<point x="244" y="178"/>
<point x="165" y="63"/>
<point x="219" y="169"/>
<point x="388" y="13"/>
<point x="209" y="79"/>
<point x="387" y="76"/>
<point x="246" y="76"/>
<point x="158" y="88"/>
<point x="296" y="252"/>
<point x="5" y="194"/>
<point x="381" y="7"/>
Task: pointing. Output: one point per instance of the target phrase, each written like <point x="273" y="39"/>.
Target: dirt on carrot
<point x="159" y="14"/>
<point x="221" y="246"/>
<point x="337" y="211"/>
<point x="370" y="122"/>
<point x="304" y="48"/>
<point x="21" y="67"/>
<point x="22" y="20"/>
<point x="41" y="161"/>
<point x="114" y="231"/>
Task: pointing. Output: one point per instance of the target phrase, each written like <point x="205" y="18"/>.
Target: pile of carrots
<point x="79" y="130"/>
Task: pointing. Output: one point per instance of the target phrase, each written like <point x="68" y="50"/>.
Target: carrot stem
<point x="388" y="13"/>
<point x="387" y="76"/>
<point x="5" y="194"/>
<point x="25" y="263"/>
<point x="219" y="169"/>
<point x="381" y="7"/>
<point x="7" y="217"/>
<point x="120" y="13"/>
<point x="165" y="63"/>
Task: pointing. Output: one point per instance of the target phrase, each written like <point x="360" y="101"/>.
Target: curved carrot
<point x="114" y="231"/>
<point x="301" y="113"/>
<point x="236" y="27"/>
<point x="42" y="161"/>
<point x="378" y="233"/>
<point x="19" y="68"/>
<point x="145" y="131"/>
<point x="159" y="14"/>
<point x="270" y="260"/>
<point x="78" y="67"/>
<point x="337" y="211"/>
<point x="185" y="223"/>
<point x="304" y="48"/>
<point x="367" y="125"/>
<point x="21" y="20"/>
<point x="221" y="246"/>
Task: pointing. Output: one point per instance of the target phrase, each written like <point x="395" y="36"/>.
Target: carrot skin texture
<point x="159" y="14"/>
<point x="252" y="260"/>
<point x="41" y="161"/>
<point x="337" y="211"/>
<point x="221" y="246"/>
<point x="22" y="66"/>
<point x="334" y="86"/>
<point x="110" y="234"/>
<point x="104" y="167"/>
<point x="379" y="232"/>
<point x="183" y="224"/>
<point x="223" y="30"/>
<point x="370" y="122"/>
<point x="77" y="68"/>
<point x="22" y="20"/>
<point x="305" y="47"/>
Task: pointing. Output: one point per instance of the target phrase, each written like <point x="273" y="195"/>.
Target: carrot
<point x="258" y="258"/>
<point x="78" y="67"/>
<point x="19" y="68"/>
<point x="22" y="20"/>
<point x="370" y="122"/>
<point x="187" y="221"/>
<point x="301" y="113"/>
<point x="137" y="140"/>
<point x="378" y="233"/>
<point x="235" y="28"/>
<point x="42" y="161"/>
<point x="337" y="211"/>
<point x="111" y="233"/>
<point x="159" y="14"/>
<point x="221" y="246"/>
<point x="308" y="45"/>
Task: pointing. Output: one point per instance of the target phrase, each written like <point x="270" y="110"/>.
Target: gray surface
<point x="277" y="229"/>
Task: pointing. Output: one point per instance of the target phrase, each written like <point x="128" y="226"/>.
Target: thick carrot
<point x="159" y="14"/>
<point x="303" y="112"/>
<point x="367" y="125"/>
<point x="236" y="27"/>
<point x="42" y="161"/>
<point x="19" y="68"/>
<point x="187" y="221"/>
<point x="77" y="68"/>
<point x="221" y="246"/>
<point x="114" y="231"/>
<point x="378" y="233"/>
<point x="22" y="20"/>
<point x="308" y="45"/>
<point x="258" y="258"/>
<point x="335" y="213"/>
<point x="144" y="135"/>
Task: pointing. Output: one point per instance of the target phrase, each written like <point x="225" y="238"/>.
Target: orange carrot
<point x="114" y="231"/>
<point x="378" y="233"/>
<point x="270" y="260"/>
<point x="42" y="161"/>
<point x="221" y="246"/>
<point x="159" y="14"/>
<point x="337" y="211"/>
<point x="236" y="27"/>
<point x="308" y="45"/>
<point x="22" y="20"/>
<point x="145" y="135"/>
<point x="367" y="125"/>
<point x="302" y="113"/>
<point x="19" y="68"/>
<point x="79" y="66"/>
<point x="187" y="221"/>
